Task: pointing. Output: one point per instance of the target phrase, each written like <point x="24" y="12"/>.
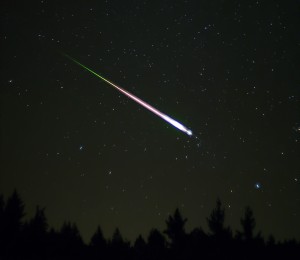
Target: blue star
<point x="257" y="185"/>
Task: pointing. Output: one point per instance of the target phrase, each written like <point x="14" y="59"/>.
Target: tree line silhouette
<point x="34" y="239"/>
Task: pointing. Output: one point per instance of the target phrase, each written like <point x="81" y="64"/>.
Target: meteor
<point x="138" y="100"/>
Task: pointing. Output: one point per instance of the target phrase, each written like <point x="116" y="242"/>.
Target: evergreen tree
<point x="119" y="248"/>
<point x="248" y="223"/>
<point x="198" y="243"/>
<point x="140" y="243"/>
<point x="156" y="244"/>
<point x="35" y="235"/>
<point x="221" y="236"/>
<point x="98" y="244"/>
<point x="117" y="238"/>
<point x="247" y="235"/>
<point x="216" y="219"/>
<point x="70" y="234"/>
<point x="2" y="238"/>
<point x="70" y="243"/>
<point x="175" y="228"/>
<point x="156" y="241"/>
<point x="12" y="225"/>
<point x="98" y="239"/>
<point x="2" y="206"/>
<point x="140" y="248"/>
<point x="38" y="224"/>
<point x="13" y="214"/>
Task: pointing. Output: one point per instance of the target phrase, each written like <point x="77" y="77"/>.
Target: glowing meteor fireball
<point x="138" y="100"/>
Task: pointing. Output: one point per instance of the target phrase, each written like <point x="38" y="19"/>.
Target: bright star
<point x="257" y="185"/>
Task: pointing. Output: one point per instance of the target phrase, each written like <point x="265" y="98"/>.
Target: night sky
<point x="228" y="70"/>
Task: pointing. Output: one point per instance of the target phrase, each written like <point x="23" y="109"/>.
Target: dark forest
<point x="34" y="239"/>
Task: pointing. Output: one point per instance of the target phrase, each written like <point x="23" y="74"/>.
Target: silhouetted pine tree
<point x="119" y="248"/>
<point x="14" y="213"/>
<point x="249" y="245"/>
<point x="156" y="245"/>
<point x="216" y="221"/>
<point x="38" y="225"/>
<point x="12" y="224"/>
<point x="140" y="248"/>
<point x="248" y="223"/>
<point x="117" y="239"/>
<point x="198" y="244"/>
<point x="271" y="241"/>
<point x="70" y="241"/>
<point x="2" y="206"/>
<point x="177" y="235"/>
<point x="175" y="228"/>
<point x="98" y="239"/>
<point x="2" y="238"/>
<point x="98" y="245"/>
<point x="221" y="236"/>
<point x="35" y="234"/>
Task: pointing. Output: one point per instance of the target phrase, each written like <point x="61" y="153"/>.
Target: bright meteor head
<point x="189" y="132"/>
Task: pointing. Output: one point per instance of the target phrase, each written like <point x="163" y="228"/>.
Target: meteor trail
<point x="138" y="100"/>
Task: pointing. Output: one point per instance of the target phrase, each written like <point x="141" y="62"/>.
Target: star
<point x="257" y="185"/>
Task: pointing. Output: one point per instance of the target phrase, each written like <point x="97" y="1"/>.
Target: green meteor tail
<point x="93" y="72"/>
